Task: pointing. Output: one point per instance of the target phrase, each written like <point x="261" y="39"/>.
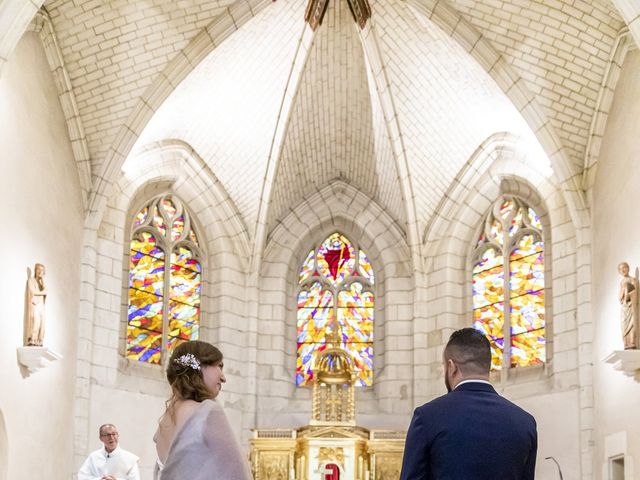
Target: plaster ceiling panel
<point x="331" y="132"/>
<point x="114" y="49"/>
<point x="561" y="50"/>
<point x="446" y="104"/>
<point x="227" y="108"/>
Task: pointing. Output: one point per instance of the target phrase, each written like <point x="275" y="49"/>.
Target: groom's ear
<point x="450" y="366"/>
<point x="455" y="368"/>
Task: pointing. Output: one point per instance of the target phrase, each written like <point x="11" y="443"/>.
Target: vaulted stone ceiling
<point x="227" y="108"/>
<point x="332" y="132"/>
<point x="408" y="122"/>
<point x="113" y="50"/>
<point x="446" y="105"/>
<point x="562" y="50"/>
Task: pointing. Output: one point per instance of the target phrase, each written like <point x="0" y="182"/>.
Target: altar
<point x="332" y="446"/>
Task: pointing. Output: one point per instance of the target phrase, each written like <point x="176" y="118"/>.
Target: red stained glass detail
<point x="336" y="259"/>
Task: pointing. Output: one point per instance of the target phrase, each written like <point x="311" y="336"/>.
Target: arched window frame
<point x="190" y="239"/>
<point x="485" y="241"/>
<point x="314" y="276"/>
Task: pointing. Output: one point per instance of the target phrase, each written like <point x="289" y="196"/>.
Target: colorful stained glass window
<point x="164" y="298"/>
<point x="509" y="268"/>
<point x="336" y="282"/>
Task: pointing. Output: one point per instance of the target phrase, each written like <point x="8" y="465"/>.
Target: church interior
<point x="362" y="177"/>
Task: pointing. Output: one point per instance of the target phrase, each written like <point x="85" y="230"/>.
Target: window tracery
<point x="335" y="291"/>
<point x="165" y="280"/>
<point x="508" y="268"/>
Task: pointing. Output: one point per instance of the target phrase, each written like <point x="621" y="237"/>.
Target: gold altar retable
<point x="332" y="446"/>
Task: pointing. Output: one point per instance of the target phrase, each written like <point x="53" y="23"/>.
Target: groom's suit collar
<point x="474" y="385"/>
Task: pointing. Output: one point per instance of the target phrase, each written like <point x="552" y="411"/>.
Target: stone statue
<point x="36" y="296"/>
<point x="628" y="297"/>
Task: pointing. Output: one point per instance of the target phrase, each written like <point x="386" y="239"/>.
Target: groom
<point x="472" y="433"/>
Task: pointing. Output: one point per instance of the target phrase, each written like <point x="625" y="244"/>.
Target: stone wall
<point x="42" y="222"/>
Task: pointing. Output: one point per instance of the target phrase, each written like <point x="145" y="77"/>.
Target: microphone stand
<point x="557" y="465"/>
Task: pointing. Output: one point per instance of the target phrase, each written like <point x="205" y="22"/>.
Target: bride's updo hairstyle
<point x="184" y="371"/>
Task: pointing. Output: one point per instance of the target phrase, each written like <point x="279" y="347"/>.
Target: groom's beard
<point x="446" y="382"/>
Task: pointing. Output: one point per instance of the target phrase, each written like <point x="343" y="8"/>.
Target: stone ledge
<point x="626" y="361"/>
<point x="35" y="358"/>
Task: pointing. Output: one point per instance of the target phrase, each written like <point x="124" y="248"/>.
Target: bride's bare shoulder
<point x="170" y="424"/>
<point x="185" y="407"/>
<point x="181" y="412"/>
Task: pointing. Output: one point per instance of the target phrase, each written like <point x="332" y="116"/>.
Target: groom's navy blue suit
<point x="472" y="433"/>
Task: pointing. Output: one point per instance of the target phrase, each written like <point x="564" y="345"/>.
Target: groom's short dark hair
<point x="470" y="349"/>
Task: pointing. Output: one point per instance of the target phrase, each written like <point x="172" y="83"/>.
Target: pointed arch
<point x="165" y="280"/>
<point x="338" y="207"/>
<point x="497" y="169"/>
<point x="630" y="12"/>
<point x="177" y="160"/>
<point x="15" y="16"/>
<point x="508" y="283"/>
<point x="515" y="88"/>
<point x="336" y="294"/>
<point x="43" y="26"/>
<point x="167" y="166"/>
<point x="624" y="44"/>
<point x="223" y="26"/>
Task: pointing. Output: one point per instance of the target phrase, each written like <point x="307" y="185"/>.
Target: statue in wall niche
<point x="36" y="297"/>
<point x="628" y="297"/>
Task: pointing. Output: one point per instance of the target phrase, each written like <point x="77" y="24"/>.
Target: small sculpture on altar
<point x="36" y="297"/>
<point x="628" y="297"/>
<point x="334" y="385"/>
<point x="331" y="446"/>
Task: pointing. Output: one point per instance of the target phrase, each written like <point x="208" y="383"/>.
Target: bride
<point x="194" y="439"/>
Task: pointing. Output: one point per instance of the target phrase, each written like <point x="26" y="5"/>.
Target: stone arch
<point x="43" y="26"/>
<point x="497" y="168"/>
<point x="173" y="166"/>
<point x="167" y="165"/>
<point x="223" y="26"/>
<point x="371" y="46"/>
<point x="515" y="88"/>
<point x="630" y="12"/>
<point x="337" y="207"/>
<point x="176" y="159"/>
<point x="623" y="44"/>
<point x="15" y="16"/>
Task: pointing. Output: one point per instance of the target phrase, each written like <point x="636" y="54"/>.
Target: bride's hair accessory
<point x="188" y="360"/>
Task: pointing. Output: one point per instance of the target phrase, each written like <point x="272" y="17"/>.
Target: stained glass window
<point x="509" y="270"/>
<point x="165" y="280"/>
<point x="335" y="283"/>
